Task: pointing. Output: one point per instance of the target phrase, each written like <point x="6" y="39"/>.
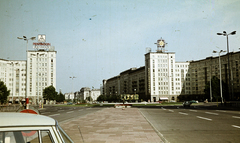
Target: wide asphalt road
<point x="65" y="113"/>
<point x="194" y="124"/>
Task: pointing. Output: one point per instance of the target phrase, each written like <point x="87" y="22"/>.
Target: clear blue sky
<point x="98" y="39"/>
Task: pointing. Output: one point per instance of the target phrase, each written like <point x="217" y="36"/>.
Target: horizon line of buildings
<point x="163" y="78"/>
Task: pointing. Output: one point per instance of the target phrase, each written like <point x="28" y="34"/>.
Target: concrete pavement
<point x="111" y="125"/>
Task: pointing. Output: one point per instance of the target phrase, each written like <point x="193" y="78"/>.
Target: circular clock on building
<point x="161" y="43"/>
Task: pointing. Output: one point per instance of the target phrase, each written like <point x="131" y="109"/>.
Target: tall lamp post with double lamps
<point x="72" y="77"/>
<point x="26" y="39"/>
<point x="229" y="76"/>
<point x="220" y="73"/>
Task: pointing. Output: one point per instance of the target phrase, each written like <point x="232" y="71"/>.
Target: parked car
<point x="194" y="101"/>
<point x="26" y="128"/>
<point x="69" y="103"/>
<point x="186" y="104"/>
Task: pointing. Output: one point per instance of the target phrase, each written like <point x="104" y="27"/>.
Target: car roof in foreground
<point x="24" y="119"/>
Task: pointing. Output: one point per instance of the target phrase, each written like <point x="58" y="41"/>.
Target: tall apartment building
<point x="165" y="78"/>
<point x="162" y="78"/>
<point x="41" y="72"/>
<point x="33" y="77"/>
<point x="13" y="74"/>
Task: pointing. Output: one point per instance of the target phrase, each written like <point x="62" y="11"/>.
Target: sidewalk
<point x="112" y="125"/>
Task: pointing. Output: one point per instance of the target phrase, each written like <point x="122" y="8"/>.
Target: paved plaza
<point x="111" y="125"/>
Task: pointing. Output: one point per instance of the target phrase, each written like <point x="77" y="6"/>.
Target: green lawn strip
<point x="134" y="105"/>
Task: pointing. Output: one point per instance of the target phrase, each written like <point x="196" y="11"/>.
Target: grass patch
<point x="133" y="105"/>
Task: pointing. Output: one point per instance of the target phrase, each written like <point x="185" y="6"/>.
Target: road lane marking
<point x="45" y="112"/>
<point x="211" y="113"/>
<point x="236" y="126"/>
<point x="54" y="115"/>
<point x="204" y="118"/>
<point x="171" y="110"/>
<point x="163" y="108"/>
<point x="221" y="111"/>
<point x="70" y="111"/>
<point x="193" y="110"/>
<point x="236" y="117"/>
<point x="182" y="113"/>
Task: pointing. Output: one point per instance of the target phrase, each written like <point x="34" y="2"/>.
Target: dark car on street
<point x="186" y="104"/>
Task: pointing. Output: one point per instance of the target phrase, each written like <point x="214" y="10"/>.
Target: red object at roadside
<point x="28" y="111"/>
<point x="28" y="133"/>
<point x="27" y="100"/>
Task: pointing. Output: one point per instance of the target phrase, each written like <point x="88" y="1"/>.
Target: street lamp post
<point x="230" y="88"/>
<point x="211" y="80"/>
<point x="12" y="79"/>
<point x="220" y="72"/>
<point x="26" y="39"/>
<point x="72" y="77"/>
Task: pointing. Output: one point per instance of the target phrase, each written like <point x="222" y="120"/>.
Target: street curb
<point x="158" y="133"/>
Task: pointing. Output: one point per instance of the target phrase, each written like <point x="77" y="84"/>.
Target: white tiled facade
<point x="182" y="78"/>
<point x="41" y="72"/>
<point x="87" y="92"/>
<point x="95" y="93"/>
<point x="69" y="96"/>
<point x="165" y="78"/>
<point x="13" y="74"/>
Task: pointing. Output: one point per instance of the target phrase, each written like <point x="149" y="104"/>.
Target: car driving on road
<point x="186" y="104"/>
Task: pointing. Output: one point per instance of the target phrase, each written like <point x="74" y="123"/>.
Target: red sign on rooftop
<point x="42" y="44"/>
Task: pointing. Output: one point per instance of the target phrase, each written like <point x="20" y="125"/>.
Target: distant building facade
<point x="201" y="72"/>
<point x="69" y="96"/>
<point x="95" y="93"/>
<point x="87" y="92"/>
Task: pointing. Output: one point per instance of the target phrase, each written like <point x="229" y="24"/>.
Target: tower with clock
<point x="160" y="45"/>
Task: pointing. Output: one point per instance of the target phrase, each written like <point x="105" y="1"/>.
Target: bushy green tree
<point x="101" y="98"/>
<point x="60" y="97"/>
<point x="49" y="93"/>
<point x="4" y="93"/>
